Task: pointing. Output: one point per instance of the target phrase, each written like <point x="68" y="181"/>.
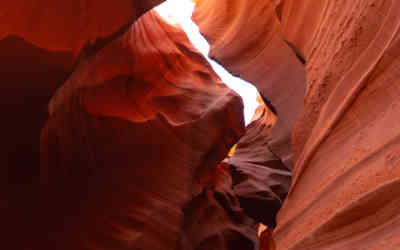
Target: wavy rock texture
<point x="40" y="44"/>
<point x="215" y="219"/>
<point x="130" y="151"/>
<point x="131" y="154"/>
<point x="346" y="142"/>
<point x="260" y="180"/>
<point x="68" y="26"/>
<point x="351" y="139"/>
<point x="253" y="48"/>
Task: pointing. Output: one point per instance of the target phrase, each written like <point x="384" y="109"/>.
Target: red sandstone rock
<point x="248" y="41"/>
<point x="347" y="172"/>
<point x="40" y="43"/>
<point x="347" y="176"/>
<point x="266" y="240"/>
<point x="214" y="219"/>
<point x="129" y="154"/>
<point x="261" y="180"/>
<point x="134" y="134"/>
<point x="29" y="76"/>
<point x="68" y="25"/>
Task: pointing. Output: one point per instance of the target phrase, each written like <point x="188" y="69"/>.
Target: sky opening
<point x="179" y="12"/>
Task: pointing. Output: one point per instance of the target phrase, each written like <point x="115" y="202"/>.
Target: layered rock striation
<point x="130" y="152"/>
<point x="134" y="138"/>
<point x="348" y="134"/>
<point x="345" y="141"/>
<point x="249" y="42"/>
<point x="40" y="45"/>
<point x="261" y="179"/>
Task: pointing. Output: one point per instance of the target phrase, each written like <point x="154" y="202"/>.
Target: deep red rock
<point x="346" y="139"/>
<point x="134" y="134"/>
<point x="249" y="42"/>
<point x="214" y="219"/>
<point x="266" y="240"/>
<point x="68" y="25"/>
<point x="261" y="180"/>
<point x="346" y="178"/>
<point x="40" y="44"/>
<point x="130" y="153"/>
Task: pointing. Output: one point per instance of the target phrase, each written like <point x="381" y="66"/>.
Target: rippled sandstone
<point x="131" y="153"/>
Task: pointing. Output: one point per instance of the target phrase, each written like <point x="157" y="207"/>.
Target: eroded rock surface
<point x="261" y="180"/>
<point x="129" y="155"/>
<point x="41" y="42"/>
<point x="134" y="135"/>
<point x="347" y="174"/>
<point x="215" y="218"/>
<point x="68" y="26"/>
<point x="249" y="42"/>
<point x="345" y="142"/>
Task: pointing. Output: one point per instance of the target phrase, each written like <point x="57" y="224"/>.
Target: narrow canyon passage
<point x="144" y="93"/>
<point x="179" y="12"/>
<point x="120" y="132"/>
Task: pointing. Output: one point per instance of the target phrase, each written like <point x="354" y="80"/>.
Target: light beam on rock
<point x="179" y="12"/>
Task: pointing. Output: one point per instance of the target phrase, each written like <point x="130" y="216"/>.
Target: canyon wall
<point x="117" y="130"/>
<point x="248" y="42"/>
<point x="261" y="179"/>
<point x="134" y="134"/>
<point x="346" y="140"/>
<point x="41" y="42"/>
<point x="130" y="156"/>
<point x="40" y="45"/>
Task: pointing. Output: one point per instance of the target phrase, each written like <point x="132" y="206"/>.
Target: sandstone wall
<point x="345" y="142"/>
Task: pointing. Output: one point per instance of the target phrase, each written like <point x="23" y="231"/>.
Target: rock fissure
<point x="118" y="130"/>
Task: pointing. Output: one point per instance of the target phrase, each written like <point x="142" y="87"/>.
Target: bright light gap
<point x="180" y="12"/>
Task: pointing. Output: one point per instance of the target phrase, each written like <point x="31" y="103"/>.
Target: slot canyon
<point x="120" y="134"/>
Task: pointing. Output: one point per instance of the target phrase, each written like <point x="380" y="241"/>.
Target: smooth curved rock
<point x="346" y="140"/>
<point x="129" y="155"/>
<point x="40" y="44"/>
<point x="332" y="37"/>
<point x="68" y="25"/>
<point x="261" y="180"/>
<point x="346" y="179"/>
<point x="248" y="41"/>
<point x="134" y="134"/>
<point x="214" y="219"/>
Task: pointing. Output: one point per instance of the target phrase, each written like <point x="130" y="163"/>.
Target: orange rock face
<point x="68" y="26"/>
<point x="134" y="134"/>
<point x="345" y="142"/>
<point x="130" y="126"/>
<point x="349" y="130"/>
<point x="249" y="42"/>
<point x="267" y="240"/>
<point x="260" y="179"/>
<point x="40" y="44"/>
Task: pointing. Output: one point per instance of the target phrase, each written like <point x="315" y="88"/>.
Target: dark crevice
<point x="234" y="215"/>
<point x="269" y="104"/>
<point x="272" y="164"/>
<point x="261" y="209"/>
<point x="92" y="48"/>
<point x="278" y="157"/>
<point x="298" y="53"/>
<point x="238" y="176"/>
<point x="235" y="240"/>
<point x="279" y="10"/>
